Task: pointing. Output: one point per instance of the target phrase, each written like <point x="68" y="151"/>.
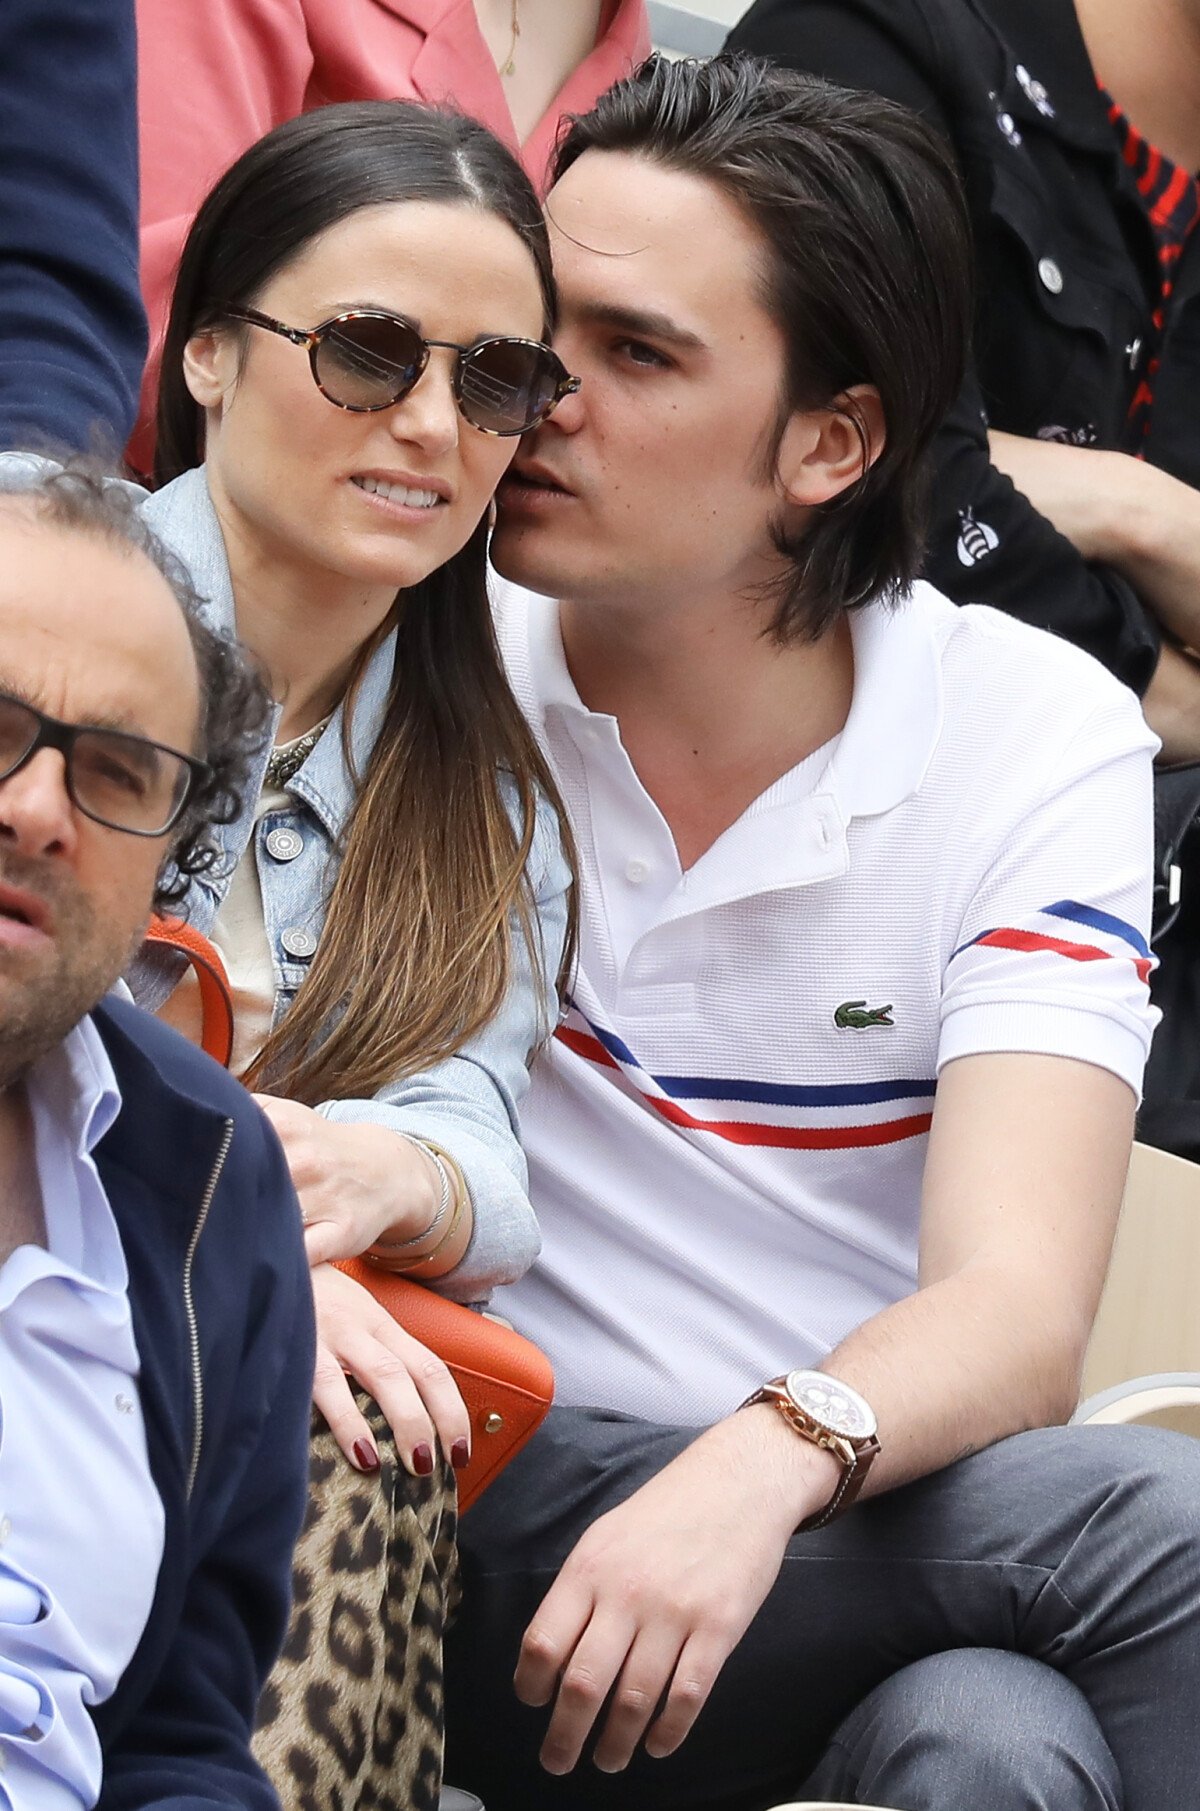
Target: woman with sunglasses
<point x="357" y="339"/>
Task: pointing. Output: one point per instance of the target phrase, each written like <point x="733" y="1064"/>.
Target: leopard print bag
<point x="352" y="1716"/>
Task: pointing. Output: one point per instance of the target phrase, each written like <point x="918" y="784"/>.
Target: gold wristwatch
<point x="832" y="1415"/>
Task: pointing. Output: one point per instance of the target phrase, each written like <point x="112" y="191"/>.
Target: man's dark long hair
<point x="868" y="276"/>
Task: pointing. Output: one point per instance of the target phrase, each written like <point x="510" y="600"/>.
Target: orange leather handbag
<point x="215" y="1004"/>
<point x="505" y="1381"/>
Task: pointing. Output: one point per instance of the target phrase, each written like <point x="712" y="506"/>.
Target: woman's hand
<point x="412" y="1386"/>
<point x="356" y="1183"/>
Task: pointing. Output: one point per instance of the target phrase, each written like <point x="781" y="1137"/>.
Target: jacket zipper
<point x="189" y="1308"/>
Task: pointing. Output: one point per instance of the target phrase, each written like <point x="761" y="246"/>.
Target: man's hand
<point x="658" y="1592"/>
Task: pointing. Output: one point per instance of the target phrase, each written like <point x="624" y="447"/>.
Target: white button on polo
<point x="1051" y="276"/>
<point x="298" y="943"/>
<point x="284" y="844"/>
<point x="636" y="872"/>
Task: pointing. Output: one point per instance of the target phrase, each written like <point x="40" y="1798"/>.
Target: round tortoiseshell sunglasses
<point x="365" y="360"/>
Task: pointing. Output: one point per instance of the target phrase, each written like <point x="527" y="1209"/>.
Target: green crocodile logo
<point x="856" y="1015"/>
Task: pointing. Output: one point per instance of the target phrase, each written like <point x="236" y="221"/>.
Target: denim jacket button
<point x="284" y="845"/>
<point x="1051" y="276"/>
<point x="299" y="943"/>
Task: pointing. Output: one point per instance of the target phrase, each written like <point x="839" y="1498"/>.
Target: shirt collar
<point x="895" y="713"/>
<point x="77" y="1082"/>
<point x="74" y="1100"/>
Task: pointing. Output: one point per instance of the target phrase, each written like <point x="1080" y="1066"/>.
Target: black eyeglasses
<point x="365" y="360"/>
<point x="124" y="782"/>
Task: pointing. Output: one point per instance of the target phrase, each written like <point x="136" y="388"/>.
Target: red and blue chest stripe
<point x="775" y="1115"/>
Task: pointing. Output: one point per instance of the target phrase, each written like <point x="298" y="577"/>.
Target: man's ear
<point x="824" y="451"/>
<point x="210" y="363"/>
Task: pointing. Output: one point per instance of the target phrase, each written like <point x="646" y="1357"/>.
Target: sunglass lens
<point x="505" y="386"/>
<point x="369" y="361"/>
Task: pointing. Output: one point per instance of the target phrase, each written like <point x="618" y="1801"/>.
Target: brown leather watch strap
<point x="854" y="1476"/>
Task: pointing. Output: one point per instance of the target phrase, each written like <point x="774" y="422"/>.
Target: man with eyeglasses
<point x="155" y="1343"/>
<point x="828" y="1150"/>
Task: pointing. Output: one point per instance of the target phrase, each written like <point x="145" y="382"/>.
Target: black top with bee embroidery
<point x="1069" y="283"/>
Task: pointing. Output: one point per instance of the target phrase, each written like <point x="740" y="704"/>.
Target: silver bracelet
<point x="444" y="1199"/>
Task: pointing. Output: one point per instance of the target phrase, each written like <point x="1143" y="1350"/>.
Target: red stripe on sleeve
<point x="1075" y="952"/>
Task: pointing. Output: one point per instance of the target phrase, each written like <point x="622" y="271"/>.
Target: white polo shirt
<point x="727" y="1135"/>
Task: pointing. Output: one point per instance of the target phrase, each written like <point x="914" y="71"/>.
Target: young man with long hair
<point x="837" y="1126"/>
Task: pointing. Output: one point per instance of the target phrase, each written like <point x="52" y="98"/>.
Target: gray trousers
<point x="1020" y="1632"/>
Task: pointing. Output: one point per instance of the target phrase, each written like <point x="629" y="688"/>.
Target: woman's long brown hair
<point x="417" y="948"/>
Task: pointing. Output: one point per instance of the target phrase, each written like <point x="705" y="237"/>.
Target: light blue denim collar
<point x="183" y="516"/>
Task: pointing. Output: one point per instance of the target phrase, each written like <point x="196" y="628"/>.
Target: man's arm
<point x="187" y="1746"/>
<point x="72" y="331"/>
<point x="1044" y="1031"/>
<point x="1126" y="514"/>
<point x="1027" y="1161"/>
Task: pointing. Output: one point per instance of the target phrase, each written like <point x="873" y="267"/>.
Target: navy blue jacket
<point x="222" y="1313"/>
<point x="72" y="329"/>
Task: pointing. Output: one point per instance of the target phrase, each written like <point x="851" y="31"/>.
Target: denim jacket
<point x="468" y="1103"/>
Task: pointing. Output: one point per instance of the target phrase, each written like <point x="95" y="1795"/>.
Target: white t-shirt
<point x="726" y="1138"/>
<point x="239" y="935"/>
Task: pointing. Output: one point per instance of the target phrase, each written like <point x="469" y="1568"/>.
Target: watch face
<point x="833" y="1404"/>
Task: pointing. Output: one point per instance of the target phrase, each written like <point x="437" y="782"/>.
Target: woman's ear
<point x="210" y="366"/>
<point x="824" y="451"/>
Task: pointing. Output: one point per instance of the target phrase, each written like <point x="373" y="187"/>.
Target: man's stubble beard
<point x="42" y="1000"/>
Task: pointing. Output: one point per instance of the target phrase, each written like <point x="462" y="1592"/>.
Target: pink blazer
<point x="216" y="74"/>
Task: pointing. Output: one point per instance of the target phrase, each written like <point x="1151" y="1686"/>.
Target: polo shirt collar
<point x="896" y="710"/>
<point x="895" y="713"/>
<point x="878" y="761"/>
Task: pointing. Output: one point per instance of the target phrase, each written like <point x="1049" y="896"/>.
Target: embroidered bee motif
<point x="976" y="540"/>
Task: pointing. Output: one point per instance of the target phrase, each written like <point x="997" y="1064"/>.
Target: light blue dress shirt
<point x="81" y="1524"/>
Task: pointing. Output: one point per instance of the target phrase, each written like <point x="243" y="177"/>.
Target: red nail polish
<point x="422" y="1460"/>
<point x="460" y="1455"/>
<point x="365" y="1456"/>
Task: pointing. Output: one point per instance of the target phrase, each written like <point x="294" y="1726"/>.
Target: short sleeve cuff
<point x="1047" y="1029"/>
